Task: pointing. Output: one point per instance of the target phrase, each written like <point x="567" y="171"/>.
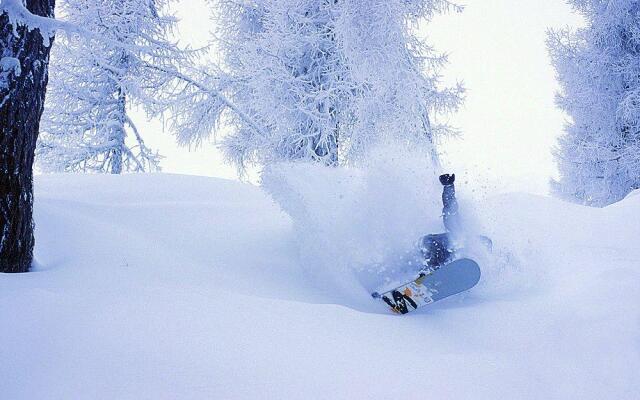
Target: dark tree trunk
<point x="22" y="92"/>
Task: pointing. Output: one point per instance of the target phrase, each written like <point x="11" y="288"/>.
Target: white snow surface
<point x="180" y="287"/>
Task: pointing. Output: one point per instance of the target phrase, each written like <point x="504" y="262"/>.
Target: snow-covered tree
<point x="95" y="80"/>
<point x="598" y="67"/>
<point x="24" y="60"/>
<point x="319" y="79"/>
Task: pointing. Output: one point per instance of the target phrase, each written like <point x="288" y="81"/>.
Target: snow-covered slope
<point x="177" y="287"/>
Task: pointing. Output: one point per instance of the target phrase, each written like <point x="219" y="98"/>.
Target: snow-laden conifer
<point x="598" y="67"/>
<point x="126" y="61"/>
<point x="320" y="80"/>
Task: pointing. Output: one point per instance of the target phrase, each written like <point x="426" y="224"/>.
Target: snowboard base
<point x="453" y="278"/>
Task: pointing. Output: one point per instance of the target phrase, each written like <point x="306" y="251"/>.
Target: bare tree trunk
<point x="22" y="93"/>
<point x="119" y="134"/>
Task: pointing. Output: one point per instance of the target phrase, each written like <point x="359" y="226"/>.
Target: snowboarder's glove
<point x="447" y="179"/>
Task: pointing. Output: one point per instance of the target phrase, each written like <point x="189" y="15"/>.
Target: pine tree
<point x="95" y="81"/>
<point x="599" y="72"/>
<point x="321" y="80"/>
<point x="24" y="59"/>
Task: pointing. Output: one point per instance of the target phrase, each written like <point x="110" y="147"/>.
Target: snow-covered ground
<point x="179" y="287"/>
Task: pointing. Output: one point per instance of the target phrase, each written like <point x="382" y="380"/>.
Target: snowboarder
<point x="437" y="249"/>
<point x="440" y="249"/>
<point x="434" y="282"/>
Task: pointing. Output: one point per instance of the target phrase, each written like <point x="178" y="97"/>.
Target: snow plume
<point x="358" y="225"/>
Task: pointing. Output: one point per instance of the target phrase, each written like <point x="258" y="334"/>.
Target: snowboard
<point x="453" y="278"/>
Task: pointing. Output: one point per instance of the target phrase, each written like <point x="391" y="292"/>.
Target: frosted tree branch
<point x="318" y="80"/>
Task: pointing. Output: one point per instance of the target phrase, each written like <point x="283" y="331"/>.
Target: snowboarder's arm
<point x="450" y="209"/>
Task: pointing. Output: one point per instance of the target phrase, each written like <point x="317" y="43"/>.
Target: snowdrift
<point x="167" y="286"/>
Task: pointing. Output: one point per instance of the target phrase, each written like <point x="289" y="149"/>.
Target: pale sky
<point x="509" y="122"/>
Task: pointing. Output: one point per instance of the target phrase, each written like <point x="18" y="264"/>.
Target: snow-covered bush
<point x="322" y="80"/>
<point x="598" y="69"/>
<point x="128" y="59"/>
